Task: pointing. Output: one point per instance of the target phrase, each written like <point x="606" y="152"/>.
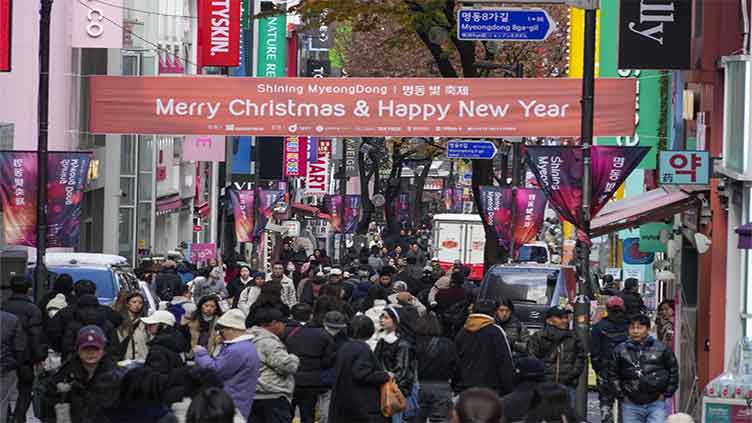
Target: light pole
<point x="40" y="272"/>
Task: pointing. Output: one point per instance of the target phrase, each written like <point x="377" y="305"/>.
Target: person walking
<point x="167" y="344"/>
<point x="396" y="353"/>
<point x="12" y="350"/>
<point x="609" y="332"/>
<point x="30" y="317"/>
<point x="237" y="285"/>
<point x="483" y="352"/>
<point x="213" y="285"/>
<point x="288" y="287"/>
<point x="632" y="298"/>
<point x="358" y="376"/>
<point x="202" y="323"/>
<point x="437" y="364"/>
<point x="237" y="362"/>
<point x="516" y="332"/>
<point x="560" y="349"/>
<point x="251" y="293"/>
<point x="167" y="281"/>
<point x="644" y="373"/>
<point x="270" y="298"/>
<point x="316" y="350"/>
<point x="276" y="383"/>
<point x="529" y="374"/>
<point x="132" y="336"/>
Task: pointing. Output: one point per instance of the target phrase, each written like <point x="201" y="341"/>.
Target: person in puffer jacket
<point x="643" y="373"/>
<point x="605" y="336"/>
<point x="560" y="349"/>
<point x="276" y="381"/>
<point x="62" y="328"/>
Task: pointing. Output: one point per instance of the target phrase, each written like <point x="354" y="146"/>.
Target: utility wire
<point x="146" y="12"/>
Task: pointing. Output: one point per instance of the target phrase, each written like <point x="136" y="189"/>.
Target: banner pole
<point x="582" y="305"/>
<point x="42" y="116"/>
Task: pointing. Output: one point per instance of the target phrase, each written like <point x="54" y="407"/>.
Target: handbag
<point x="392" y="400"/>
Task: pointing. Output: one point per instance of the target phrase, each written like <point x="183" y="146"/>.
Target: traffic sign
<point x="684" y="167"/>
<point x="459" y="149"/>
<point x="486" y="24"/>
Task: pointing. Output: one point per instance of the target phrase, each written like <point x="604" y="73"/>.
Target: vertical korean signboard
<point x="219" y="32"/>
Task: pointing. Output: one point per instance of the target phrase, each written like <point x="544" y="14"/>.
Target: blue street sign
<point x="482" y="24"/>
<point x="458" y="149"/>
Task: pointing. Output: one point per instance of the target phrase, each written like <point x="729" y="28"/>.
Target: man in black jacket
<point x="483" y="353"/>
<point x="632" y="298"/>
<point x="167" y="281"/>
<point x="560" y="349"/>
<point x="12" y="349"/>
<point x="605" y="336"/>
<point x="30" y="317"/>
<point x="643" y="373"/>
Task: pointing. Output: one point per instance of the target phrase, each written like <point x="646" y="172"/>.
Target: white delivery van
<point x="459" y="237"/>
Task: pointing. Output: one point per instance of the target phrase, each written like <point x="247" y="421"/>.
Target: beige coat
<point x="195" y="329"/>
<point x="137" y="345"/>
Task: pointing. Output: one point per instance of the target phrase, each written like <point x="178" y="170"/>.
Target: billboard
<point x="339" y="107"/>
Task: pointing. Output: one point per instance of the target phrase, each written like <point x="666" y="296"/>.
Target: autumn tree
<point x="413" y="38"/>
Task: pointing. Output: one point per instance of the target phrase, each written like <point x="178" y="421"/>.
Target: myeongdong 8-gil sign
<point x="338" y="107"/>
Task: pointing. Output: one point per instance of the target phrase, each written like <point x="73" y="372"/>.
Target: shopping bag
<point x="392" y="400"/>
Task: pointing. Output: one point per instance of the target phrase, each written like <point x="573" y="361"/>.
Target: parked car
<point x="111" y="273"/>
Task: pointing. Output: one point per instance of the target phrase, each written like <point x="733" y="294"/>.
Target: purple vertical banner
<point x="68" y="172"/>
<point x="243" y="210"/>
<point x="458" y="200"/>
<point x="558" y="170"/>
<point x="334" y="206"/>
<point x="402" y="207"/>
<point x="18" y="193"/>
<point x="497" y="212"/>
<point x="530" y="209"/>
<point x="267" y="199"/>
<point x="611" y="166"/>
<point x="352" y="213"/>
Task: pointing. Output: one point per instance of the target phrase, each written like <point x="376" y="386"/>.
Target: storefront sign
<point x="655" y="34"/>
<point x="219" y="32"/>
<point x="296" y="156"/>
<point x="433" y="184"/>
<point x="317" y="177"/>
<point x="204" y="148"/>
<point x="203" y="252"/>
<point x="293" y="228"/>
<point x="340" y="107"/>
<point x="272" y="53"/>
<point x="352" y="167"/>
<point x="650" y="237"/>
<point x="97" y="24"/>
<point x="684" y="168"/>
<point x="6" y="18"/>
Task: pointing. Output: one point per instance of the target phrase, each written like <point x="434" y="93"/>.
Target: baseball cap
<point x="615" y="302"/>
<point x="160" y="317"/>
<point x="557" y="311"/>
<point x="335" y="320"/>
<point x="90" y="337"/>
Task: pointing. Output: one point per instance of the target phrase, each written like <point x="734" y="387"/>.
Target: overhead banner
<point x="334" y="205"/>
<point x="5" y="34"/>
<point x="218" y="34"/>
<point x="352" y="213"/>
<point x="267" y="198"/>
<point x="339" y="107"/>
<point x="518" y="228"/>
<point x="18" y="193"/>
<point x="204" y="148"/>
<point x="243" y="210"/>
<point x="317" y="175"/>
<point x="296" y="156"/>
<point x="655" y="34"/>
<point x="97" y="24"/>
<point x="558" y="170"/>
<point x="67" y="173"/>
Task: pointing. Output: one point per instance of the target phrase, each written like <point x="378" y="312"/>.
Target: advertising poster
<point x="243" y="210"/>
<point x="342" y="107"/>
<point x="334" y="206"/>
<point x="352" y="213"/>
<point x="18" y="193"/>
<point x="530" y="211"/>
<point x="67" y="173"/>
<point x="267" y="199"/>
<point x="203" y="252"/>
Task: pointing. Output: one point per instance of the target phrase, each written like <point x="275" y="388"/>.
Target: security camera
<point x="702" y="242"/>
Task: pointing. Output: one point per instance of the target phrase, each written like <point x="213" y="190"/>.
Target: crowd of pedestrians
<point x="316" y="342"/>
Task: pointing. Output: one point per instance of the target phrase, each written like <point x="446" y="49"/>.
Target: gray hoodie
<point x="278" y="367"/>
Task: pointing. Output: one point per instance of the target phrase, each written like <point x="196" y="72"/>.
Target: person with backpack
<point x="30" y="317"/>
<point x="632" y="299"/>
<point x="87" y="311"/>
<point x="609" y="332"/>
<point x="437" y="364"/>
<point x="132" y="335"/>
<point x="167" y="345"/>
<point x="167" y="281"/>
<point x="181" y="305"/>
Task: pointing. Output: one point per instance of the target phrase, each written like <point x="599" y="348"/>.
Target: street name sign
<point x="458" y="149"/>
<point x="486" y="24"/>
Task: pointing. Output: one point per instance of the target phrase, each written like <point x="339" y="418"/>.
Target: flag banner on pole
<point x="522" y="227"/>
<point x="402" y="207"/>
<point x="352" y="213"/>
<point x="529" y="213"/>
<point x="558" y="170"/>
<point x="18" y="193"/>
<point x="267" y="198"/>
<point x="67" y="172"/>
<point x="243" y="210"/>
<point x="334" y="206"/>
<point x="497" y="212"/>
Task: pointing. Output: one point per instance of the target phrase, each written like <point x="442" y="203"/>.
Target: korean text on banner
<point x="97" y="24"/>
<point x="243" y="210"/>
<point x="65" y="193"/>
<point x="203" y="252"/>
<point x="497" y="212"/>
<point x="18" y="193"/>
<point x="219" y="33"/>
<point x="339" y="107"/>
<point x="530" y="211"/>
<point x="334" y="205"/>
<point x="204" y="148"/>
<point x="317" y="175"/>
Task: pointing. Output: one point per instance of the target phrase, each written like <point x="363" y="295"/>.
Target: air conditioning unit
<point x="737" y="118"/>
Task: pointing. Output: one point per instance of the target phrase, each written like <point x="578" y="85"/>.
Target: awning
<point x="311" y="210"/>
<point x="203" y="210"/>
<point x="169" y="205"/>
<point x="745" y="236"/>
<point x="652" y="206"/>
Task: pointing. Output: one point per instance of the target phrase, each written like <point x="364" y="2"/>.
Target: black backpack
<point x="85" y="316"/>
<point x="454" y="317"/>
